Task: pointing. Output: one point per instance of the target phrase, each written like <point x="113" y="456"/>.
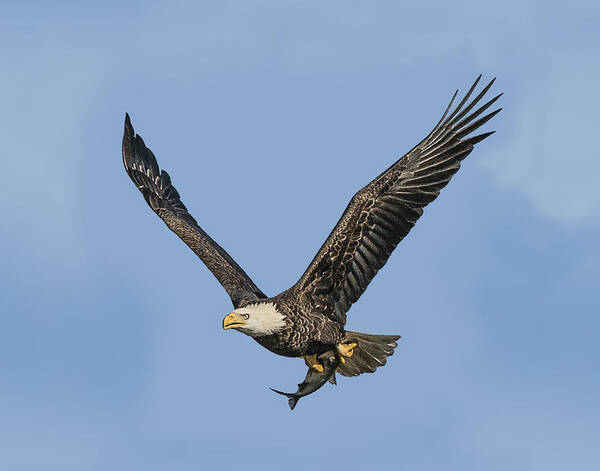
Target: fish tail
<point x="292" y="401"/>
<point x="292" y="398"/>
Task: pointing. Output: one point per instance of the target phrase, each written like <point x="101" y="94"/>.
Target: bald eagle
<point x="309" y="318"/>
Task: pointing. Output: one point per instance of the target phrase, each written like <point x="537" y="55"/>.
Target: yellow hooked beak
<point x="233" y="321"/>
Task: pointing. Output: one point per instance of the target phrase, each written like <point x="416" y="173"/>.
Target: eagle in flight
<point x="309" y="318"/>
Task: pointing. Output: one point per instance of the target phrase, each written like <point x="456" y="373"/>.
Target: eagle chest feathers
<point x="285" y="331"/>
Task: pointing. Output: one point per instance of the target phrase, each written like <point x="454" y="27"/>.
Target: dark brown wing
<point x="163" y="198"/>
<point x="381" y="214"/>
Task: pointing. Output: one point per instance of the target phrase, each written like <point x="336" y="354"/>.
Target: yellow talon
<point x="345" y="350"/>
<point x="312" y="362"/>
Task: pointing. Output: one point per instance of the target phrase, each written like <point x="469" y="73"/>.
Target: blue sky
<point x="269" y="116"/>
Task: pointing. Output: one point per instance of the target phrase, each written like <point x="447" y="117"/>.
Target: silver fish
<point x="314" y="379"/>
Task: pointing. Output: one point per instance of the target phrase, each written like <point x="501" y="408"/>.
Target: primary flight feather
<point x="308" y="319"/>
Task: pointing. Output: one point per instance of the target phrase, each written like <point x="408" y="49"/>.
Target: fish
<point x="314" y="380"/>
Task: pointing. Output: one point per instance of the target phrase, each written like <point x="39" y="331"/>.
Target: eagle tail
<point x="370" y="353"/>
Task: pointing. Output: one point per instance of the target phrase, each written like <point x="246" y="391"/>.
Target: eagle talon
<point x="345" y="350"/>
<point x="312" y="362"/>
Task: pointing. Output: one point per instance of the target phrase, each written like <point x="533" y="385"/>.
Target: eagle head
<point x="255" y="320"/>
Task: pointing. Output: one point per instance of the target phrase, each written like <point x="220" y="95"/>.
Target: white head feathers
<point x="263" y="319"/>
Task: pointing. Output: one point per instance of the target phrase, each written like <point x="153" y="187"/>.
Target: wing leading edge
<point x="163" y="198"/>
<point x="382" y="213"/>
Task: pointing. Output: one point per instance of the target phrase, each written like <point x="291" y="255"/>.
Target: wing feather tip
<point x="128" y="128"/>
<point x="480" y="122"/>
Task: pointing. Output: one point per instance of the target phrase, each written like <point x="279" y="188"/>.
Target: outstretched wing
<point x="381" y="214"/>
<point x="163" y="198"/>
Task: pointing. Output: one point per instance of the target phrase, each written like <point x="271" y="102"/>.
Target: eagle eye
<point x="245" y="316"/>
